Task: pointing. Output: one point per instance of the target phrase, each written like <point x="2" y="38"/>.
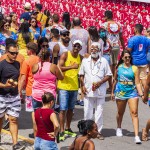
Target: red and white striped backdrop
<point x="91" y="11"/>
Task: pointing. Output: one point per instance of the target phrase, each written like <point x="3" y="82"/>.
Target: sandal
<point x="100" y="136"/>
<point x="144" y="135"/>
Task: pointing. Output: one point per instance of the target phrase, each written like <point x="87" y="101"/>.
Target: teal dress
<point x="123" y="90"/>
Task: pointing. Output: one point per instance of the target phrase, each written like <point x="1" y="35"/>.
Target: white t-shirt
<point x="64" y="48"/>
<point x="51" y="45"/>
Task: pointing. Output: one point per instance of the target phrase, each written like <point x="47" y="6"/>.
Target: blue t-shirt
<point x="3" y="38"/>
<point x="37" y="33"/>
<point x="139" y="45"/>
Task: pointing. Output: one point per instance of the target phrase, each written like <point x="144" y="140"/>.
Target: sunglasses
<point x="13" y="53"/>
<point x="64" y="35"/>
<point x="33" y="21"/>
<point x="6" y="25"/>
<point x="127" y="57"/>
<point x="77" y="46"/>
<point x="45" y="46"/>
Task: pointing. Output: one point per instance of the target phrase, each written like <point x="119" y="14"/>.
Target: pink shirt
<point x="44" y="81"/>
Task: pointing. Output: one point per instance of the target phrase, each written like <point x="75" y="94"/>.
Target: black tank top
<point x="82" y="144"/>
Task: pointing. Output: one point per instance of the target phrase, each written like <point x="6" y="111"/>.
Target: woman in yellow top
<point x="24" y="37"/>
<point x="14" y="27"/>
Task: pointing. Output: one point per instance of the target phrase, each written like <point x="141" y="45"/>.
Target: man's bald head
<point x="76" y="21"/>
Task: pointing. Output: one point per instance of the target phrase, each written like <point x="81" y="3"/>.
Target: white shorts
<point x="10" y="105"/>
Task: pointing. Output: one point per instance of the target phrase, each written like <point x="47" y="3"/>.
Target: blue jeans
<point x="67" y="99"/>
<point x="41" y="144"/>
<point x="108" y="58"/>
<point x="36" y="104"/>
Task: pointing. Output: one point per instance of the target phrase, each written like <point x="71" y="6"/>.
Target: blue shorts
<point x="108" y="58"/>
<point x="41" y="144"/>
<point x="67" y="99"/>
<point x="36" y="104"/>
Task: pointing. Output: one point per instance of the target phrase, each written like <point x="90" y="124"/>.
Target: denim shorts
<point x="36" y="104"/>
<point x="108" y="58"/>
<point x="67" y="99"/>
<point x="41" y="144"/>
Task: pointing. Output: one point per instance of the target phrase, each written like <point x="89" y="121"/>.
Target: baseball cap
<point x="27" y="5"/>
<point x="77" y="42"/>
<point x="63" y="31"/>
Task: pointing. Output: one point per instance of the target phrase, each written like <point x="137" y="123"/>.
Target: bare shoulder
<point x="35" y="68"/>
<point x="90" y="145"/>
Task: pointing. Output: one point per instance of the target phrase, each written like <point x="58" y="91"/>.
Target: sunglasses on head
<point x="13" y="53"/>
<point x="45" y="46"/>
<point x="76" y="46"/>
<point x="127" y="57"/>
<point x="64" y="35"/>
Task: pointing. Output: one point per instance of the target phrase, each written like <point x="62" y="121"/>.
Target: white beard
<point x="96" y="55"/>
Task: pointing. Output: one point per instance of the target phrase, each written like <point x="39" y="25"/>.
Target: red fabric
<point x="92" y="11"/>
<point x="41" y="127"/>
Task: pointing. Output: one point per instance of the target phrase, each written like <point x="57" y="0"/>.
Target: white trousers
<point x="89" y="104"/>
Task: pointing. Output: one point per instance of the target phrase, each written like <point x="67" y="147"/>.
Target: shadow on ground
<point x="64" y="148"/>
<point x="25" y="119"/>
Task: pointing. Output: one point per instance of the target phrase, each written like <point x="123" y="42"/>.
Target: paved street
<point x="111" y="142"/>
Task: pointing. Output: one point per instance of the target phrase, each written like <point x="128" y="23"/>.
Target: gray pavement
<point x="111" y="142"/>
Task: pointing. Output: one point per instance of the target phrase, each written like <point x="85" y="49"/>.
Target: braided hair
<point x="44" y="56"/>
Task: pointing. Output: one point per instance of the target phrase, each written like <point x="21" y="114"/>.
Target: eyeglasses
<point x="127" y="57"/>
<point x="64" y="35"/>
<point x="77" y="46"/>
<point x="13" y="53"/>
<point x="45" y="46"/>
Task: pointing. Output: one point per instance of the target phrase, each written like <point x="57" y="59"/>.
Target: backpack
<point x="114" y="30"/>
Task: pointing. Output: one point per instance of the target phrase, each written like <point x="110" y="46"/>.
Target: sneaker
<point x="61" y="136"/>
<point x="81" y="103"/>
<point x="119" y="132"/>
<point x="69" y="132"/>
<point x="31" y="135"/>
<point x="18" y="147"/>
<point x="6" y="124"/>
<point x="137" y="140"/>
<point x="77" y="102"/>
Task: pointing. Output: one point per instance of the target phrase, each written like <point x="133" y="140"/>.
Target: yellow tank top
<point x="70" y="81"/>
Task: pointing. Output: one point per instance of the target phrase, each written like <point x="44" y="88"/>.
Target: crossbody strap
<point x="84" y="144"/>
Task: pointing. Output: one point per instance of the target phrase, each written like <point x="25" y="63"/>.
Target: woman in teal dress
<point x="127" y="89"/>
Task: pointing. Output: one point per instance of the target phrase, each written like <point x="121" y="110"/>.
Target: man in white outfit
<point x="94" y="72"/>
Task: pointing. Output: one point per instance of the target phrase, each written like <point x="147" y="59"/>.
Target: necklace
<point x="92" y="68"/>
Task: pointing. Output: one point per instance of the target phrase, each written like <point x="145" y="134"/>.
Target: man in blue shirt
<point x="138" y="46"/>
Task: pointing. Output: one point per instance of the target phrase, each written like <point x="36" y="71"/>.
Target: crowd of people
<point x="62" y="64"/>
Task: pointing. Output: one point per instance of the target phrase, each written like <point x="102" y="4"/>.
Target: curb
<point x="19" y="137"/>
